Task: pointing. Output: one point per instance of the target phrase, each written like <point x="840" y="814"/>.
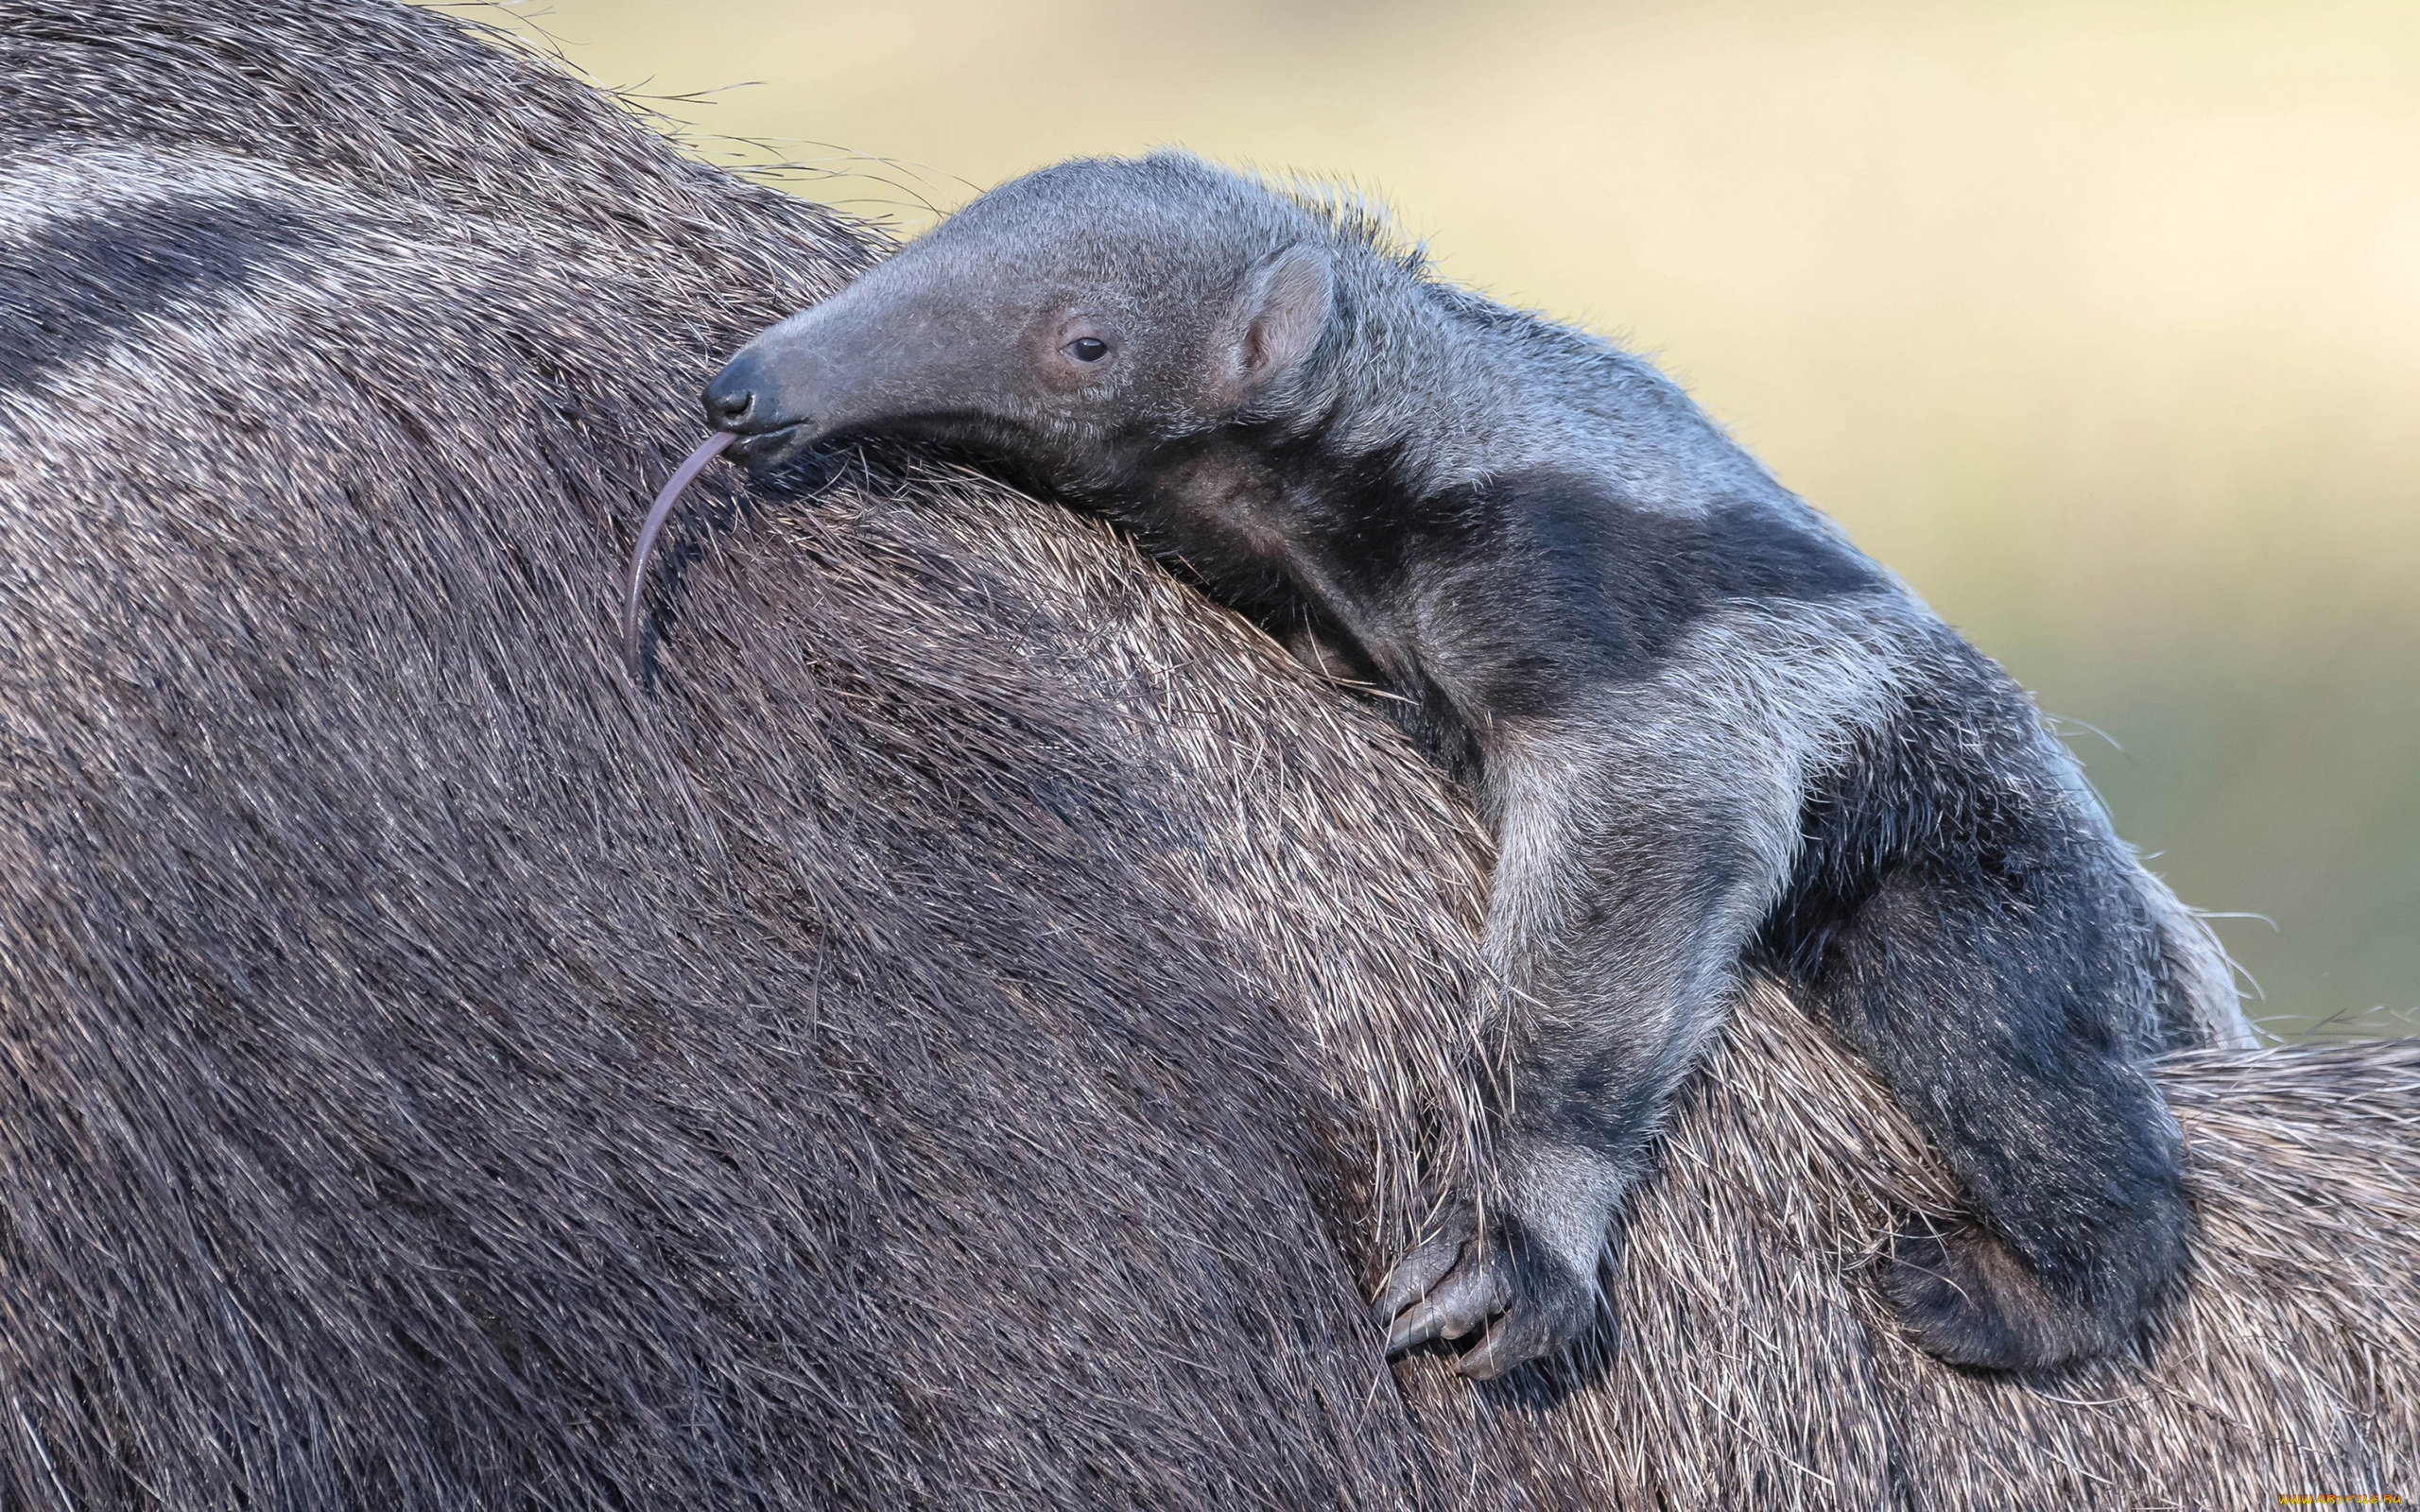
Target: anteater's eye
<point x="1087" y="349"/>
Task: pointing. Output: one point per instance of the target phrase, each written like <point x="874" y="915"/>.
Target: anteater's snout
<point x="768" y="408"/>
<point x="733" y="398"/>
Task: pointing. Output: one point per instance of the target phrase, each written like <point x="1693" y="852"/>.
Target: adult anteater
<point x="962" y="1033"/>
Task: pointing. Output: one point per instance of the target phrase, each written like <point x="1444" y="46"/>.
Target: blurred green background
<point x="2100" y="321"/>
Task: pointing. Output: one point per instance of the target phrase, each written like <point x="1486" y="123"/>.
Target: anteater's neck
<point x="1331" y="547"/>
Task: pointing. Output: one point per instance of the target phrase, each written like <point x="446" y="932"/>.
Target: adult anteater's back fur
<point x="959" y="1036"/>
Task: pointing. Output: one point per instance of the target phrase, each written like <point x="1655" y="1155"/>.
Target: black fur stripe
<point x="73" y="286"/>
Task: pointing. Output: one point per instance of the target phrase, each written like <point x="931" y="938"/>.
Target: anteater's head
<point x="1066" y="327"/>
<point x="1066" y="323"/>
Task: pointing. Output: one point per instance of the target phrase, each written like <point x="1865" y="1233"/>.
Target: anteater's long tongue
<point x="683" y="476"/>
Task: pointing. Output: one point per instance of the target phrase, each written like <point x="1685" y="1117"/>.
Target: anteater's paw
<point x="1966" y="1296"/>
<point x="1520" y="1301"/>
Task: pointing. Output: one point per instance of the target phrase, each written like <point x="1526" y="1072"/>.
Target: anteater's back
<point x="958" y="1035"/>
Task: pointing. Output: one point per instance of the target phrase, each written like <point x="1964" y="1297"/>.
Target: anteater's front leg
<point x="1626" y="890"/>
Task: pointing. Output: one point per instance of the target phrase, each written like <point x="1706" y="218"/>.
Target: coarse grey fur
<point x="963" y="1036"/>
<point x="1704" y="732"/>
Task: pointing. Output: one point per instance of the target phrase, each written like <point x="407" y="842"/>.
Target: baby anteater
<point x="1708" y="734"/>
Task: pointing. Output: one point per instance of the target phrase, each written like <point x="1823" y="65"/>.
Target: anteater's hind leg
<point x="1991" y="1003"/>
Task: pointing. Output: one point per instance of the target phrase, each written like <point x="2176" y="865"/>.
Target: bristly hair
<point x="1354" y="212"/>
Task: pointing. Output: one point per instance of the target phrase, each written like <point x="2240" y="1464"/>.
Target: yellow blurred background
<point x="2100" y="322"/>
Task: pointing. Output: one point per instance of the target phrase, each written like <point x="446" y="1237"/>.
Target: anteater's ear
<point x="1275" y="322"/>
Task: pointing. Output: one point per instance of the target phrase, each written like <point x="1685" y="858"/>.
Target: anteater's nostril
<point x="731" y="399"/>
